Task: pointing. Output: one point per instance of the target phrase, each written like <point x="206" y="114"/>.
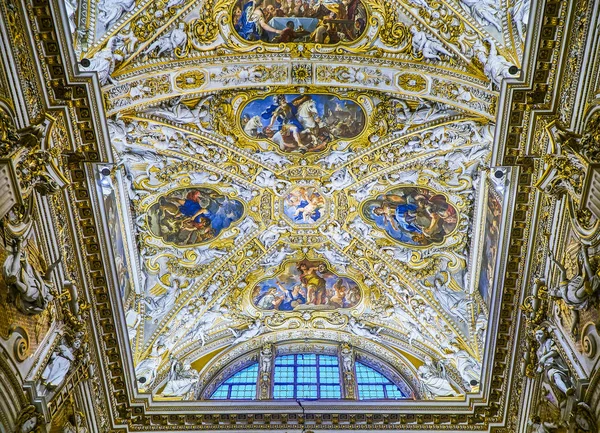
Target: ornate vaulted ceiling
<point x="349" y="153"/>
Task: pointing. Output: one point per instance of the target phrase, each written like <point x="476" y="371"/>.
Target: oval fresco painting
<point x="306" y="285"/>
<point x="192" y="216"/>
<point x="302" y="123"/>
<point x="413" y="216"/>
<point x="282" y="21"/>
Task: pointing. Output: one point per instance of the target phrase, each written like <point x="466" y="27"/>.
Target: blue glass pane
<point x="307" y="374"/>
<point x="243" y="391"/>
<point x="220" y="393"/>
<point x="328" y="360"/>
<point x="372" y="384"/>
<point x="370" y="391"/>
<point x="283" y="391"/>
<point x="393" y="392"/>
<point x="331" y="391"/>
<point x="284" y="374"/>
<point x="307" y="391"/>
<point x="284" y="360"/>
<point x="307" y="359"/>
<point x="329" y="375"/>
<point x="242" y="385"/>
<point x="248" y="374"/>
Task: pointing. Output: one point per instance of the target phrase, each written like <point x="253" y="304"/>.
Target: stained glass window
<point x="240" y="386"/>
<point x="306" y="376"/>
<point x="374" y="385"/>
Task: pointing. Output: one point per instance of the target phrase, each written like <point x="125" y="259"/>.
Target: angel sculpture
<point x="362" y="330"/>
<point x="173" y="43"/>
<point x="428" y="46"/>
<point x="576" y="292"/>
<point x="29" y="288"/>
<point x="253" y="330"/>
<point x="467" y="366"/>
<point x="105" y="60"/>
<point x="145" y="371"/>
<point x="551" y="363"/>
<point x="434" y="380"/>
<point x="60" y="363"/>
<point x="495" y="66"/>
<point x="455" y="303"/>
<point x="182" y="378"/>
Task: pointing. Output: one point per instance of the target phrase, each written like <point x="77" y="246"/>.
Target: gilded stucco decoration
<point x="314" y="166"/>
<point x="227" y="247"/>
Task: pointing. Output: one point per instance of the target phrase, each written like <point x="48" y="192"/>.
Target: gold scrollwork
<point x="190" y="80"/>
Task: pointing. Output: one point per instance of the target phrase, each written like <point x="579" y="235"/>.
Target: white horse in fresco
<point x="254" y="126"/>
<point x="308" y="114"/>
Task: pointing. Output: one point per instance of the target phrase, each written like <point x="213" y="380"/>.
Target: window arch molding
<point x="386" y="362"/>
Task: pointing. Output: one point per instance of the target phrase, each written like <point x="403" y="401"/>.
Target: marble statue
<point x="170" y="44"/>
<point x="433" y="380"/>
<point x="60" y="363"/>
<point x="468" y="368"/>
<point x="266" y="359"/>
<point x="495" y="66"/>
<point x="105" y="60"/>
<point x="109" y="11"/>
<point x="267" y="179"/>
<point x="551" y="363"/>
<point x="161" y="305"/>
<point x="577" y="291"/>
<point x="338" y="181"/>
<point x="484" y="11"/>
<point x="362" y="228"/>
<point x="132" y="320"/>
<point x="29" y="288"/>
<point x="177" y="111"/>
<point x="365" y="191"/>
<point x="275" y="257"/>
<point x="347" y="359"/>
<point x="246" y="227"/>
<point x="145" y="371"/>
<point x="398" y="253"/>
<point x="272" y="158"/>
<point x="206" y="255"/>
<point x="206" y="321"/>
<point x="539" y="426"/>
<point x="71" y="9"/>
<point x="362" y="330"/>
<point x="29" y="421"/>
<point x="181" y="379"/>
<point x="334" y="232"/>
<point x="255" y="328"/>
<point x="519" y="14"/>
<point x="335" y="158"/>
<point x="271" y="235"/>
<point x="453" y="302"/>
<point x="429" y="47"/>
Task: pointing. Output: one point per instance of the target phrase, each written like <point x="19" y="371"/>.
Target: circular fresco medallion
<point x="411" y="215"/>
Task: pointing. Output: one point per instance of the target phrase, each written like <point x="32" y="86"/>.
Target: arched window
<point x="374" y="385"/>
<point x="313" y="376"/>
<point x="240" y="386"/>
